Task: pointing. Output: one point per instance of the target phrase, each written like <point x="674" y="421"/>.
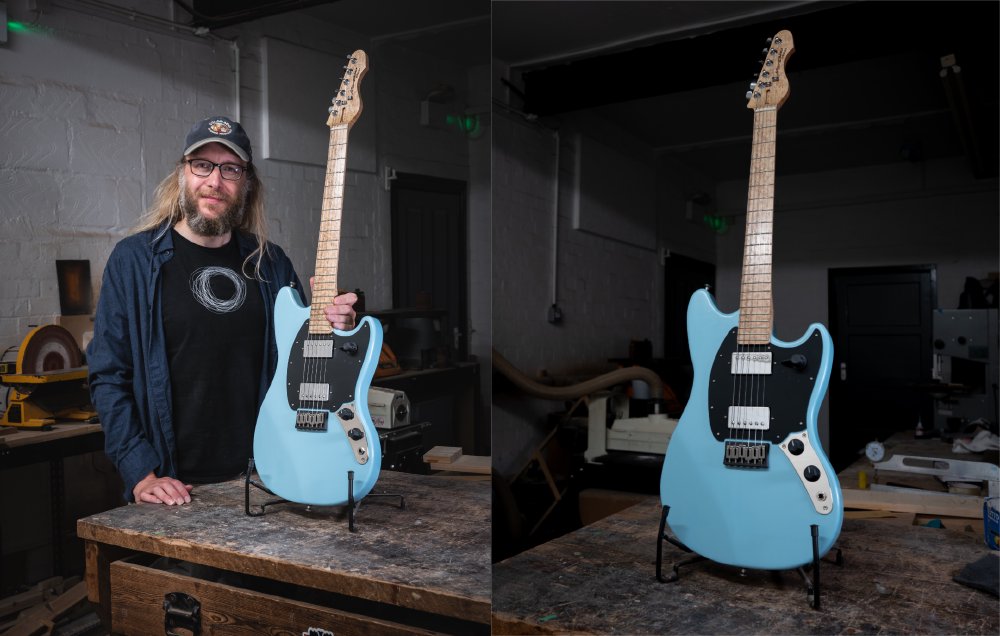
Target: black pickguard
<point x="785" y="391"/>
<point x="340" y="371"/>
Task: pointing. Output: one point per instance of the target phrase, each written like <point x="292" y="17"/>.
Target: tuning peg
<point x="753" y="85"/>
<point x="749" y="95"/>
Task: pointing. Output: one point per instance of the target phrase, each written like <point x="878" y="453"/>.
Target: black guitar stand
<point x="812" y="585"/>
<point x="352" y="505"/>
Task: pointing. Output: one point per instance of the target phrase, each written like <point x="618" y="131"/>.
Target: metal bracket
<point x="945" y="469"/>
<point x="388" y="176"/>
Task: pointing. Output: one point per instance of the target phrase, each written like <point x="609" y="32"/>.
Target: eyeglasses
<point x="204" y="167"/>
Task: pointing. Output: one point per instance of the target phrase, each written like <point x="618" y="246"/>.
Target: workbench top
<point x="432" y="556"/>
<point x="600" y="579"/>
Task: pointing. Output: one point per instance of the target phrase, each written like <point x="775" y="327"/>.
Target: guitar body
<point x="317" y="404"/>
<point x="757" y="515"/>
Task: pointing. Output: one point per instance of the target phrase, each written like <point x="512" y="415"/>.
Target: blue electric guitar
<point x="314" y="426"/>
<point x="744" y="474"/>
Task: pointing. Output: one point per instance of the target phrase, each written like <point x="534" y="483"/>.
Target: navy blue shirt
<point x="129" y="373"/>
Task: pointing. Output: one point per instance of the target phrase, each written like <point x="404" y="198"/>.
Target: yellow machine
<point x="48" y="381"/>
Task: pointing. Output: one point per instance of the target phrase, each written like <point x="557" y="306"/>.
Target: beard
<point x="230" y="219"/>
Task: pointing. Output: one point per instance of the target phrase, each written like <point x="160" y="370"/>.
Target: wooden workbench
<point x="21" y="446"/>
<point x="600" y="579"/>
<point x="429" y="560"/>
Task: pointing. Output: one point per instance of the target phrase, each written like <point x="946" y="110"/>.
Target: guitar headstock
<point x="771" y="87"/>
<point x="347" y="102"/>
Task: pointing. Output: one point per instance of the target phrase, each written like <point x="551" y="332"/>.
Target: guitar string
<point x="753" y="431"/>
<point x="337" y="151"/>
<point x="769" y="123"/>
<point x="315" y="366"/>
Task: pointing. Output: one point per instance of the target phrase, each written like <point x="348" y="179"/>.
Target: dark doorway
<point x="682" y="276"/>
<point x="429" y="254"/>
<point x="881" y="322"/>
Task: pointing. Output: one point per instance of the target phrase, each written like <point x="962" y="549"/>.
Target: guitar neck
<point x="328" y="248"/>
<point x="756" y="304"/>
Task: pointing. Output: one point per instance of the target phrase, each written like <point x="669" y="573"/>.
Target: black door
<point x="682" y="276"/>
<point x="429" y="252"/>
<point x="881" y="324"/>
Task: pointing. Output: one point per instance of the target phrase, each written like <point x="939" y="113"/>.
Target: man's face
<point x="213" y="206"/>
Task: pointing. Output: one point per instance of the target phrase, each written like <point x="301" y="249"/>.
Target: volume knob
<point x="811" y="473"/>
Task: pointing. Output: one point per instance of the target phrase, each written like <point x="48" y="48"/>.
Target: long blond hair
<point x="166" y="210"/>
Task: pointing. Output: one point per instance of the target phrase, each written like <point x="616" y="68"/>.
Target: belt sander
<point x="48" y="381"/>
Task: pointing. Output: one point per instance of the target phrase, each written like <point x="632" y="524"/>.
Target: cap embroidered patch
<point x="220" y="127"/>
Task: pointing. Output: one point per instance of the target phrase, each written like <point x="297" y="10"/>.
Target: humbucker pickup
<point x="751" y="363"/>
<point x="746" y="454"/>
<point x="319" y="391"/>
<point x="755" y="418"/>
<point x="311" y="420"/>
<point x="317" y="348"/>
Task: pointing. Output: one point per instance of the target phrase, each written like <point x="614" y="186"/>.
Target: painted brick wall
<point x="85" y="136"/>
<point x="610" y="292"/>
<point x="93" y="113"/>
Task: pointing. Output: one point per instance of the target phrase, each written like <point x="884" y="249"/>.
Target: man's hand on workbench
<point x="167" y="490"/>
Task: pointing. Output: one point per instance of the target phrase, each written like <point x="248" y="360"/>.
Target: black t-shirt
<point x="214" y="324"/>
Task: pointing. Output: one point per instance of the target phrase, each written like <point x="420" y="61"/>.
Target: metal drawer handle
<point x="181" y="611"/>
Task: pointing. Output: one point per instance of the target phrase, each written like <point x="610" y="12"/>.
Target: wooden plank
<point x="442" y="454"/>
<point x="23" y="437"/>
<point x="139" y="594"/>
<point x="98" y="558"/>
<point x="41" y="618"/>
<point x="42" y="591"/>
<point x="479" y="464"/>
<point x="885" y="516"/>
<point x="919" y="502"/>
<point x="599" y="579"/>
<point x="431" y="556"/>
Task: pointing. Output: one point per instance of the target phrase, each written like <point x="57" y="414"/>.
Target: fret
<point x="756" y="319"/>
<point x="328" y="249"/>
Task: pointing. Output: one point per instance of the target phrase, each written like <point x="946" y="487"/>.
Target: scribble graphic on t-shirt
<point x="201" y="287"/>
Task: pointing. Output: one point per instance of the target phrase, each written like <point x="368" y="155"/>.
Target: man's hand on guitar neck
<point x="341" y="313"/>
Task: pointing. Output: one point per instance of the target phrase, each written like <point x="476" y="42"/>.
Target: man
<point x="184" y="348"/>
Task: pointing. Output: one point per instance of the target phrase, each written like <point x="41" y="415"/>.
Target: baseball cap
<point x="219" y="130"/>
